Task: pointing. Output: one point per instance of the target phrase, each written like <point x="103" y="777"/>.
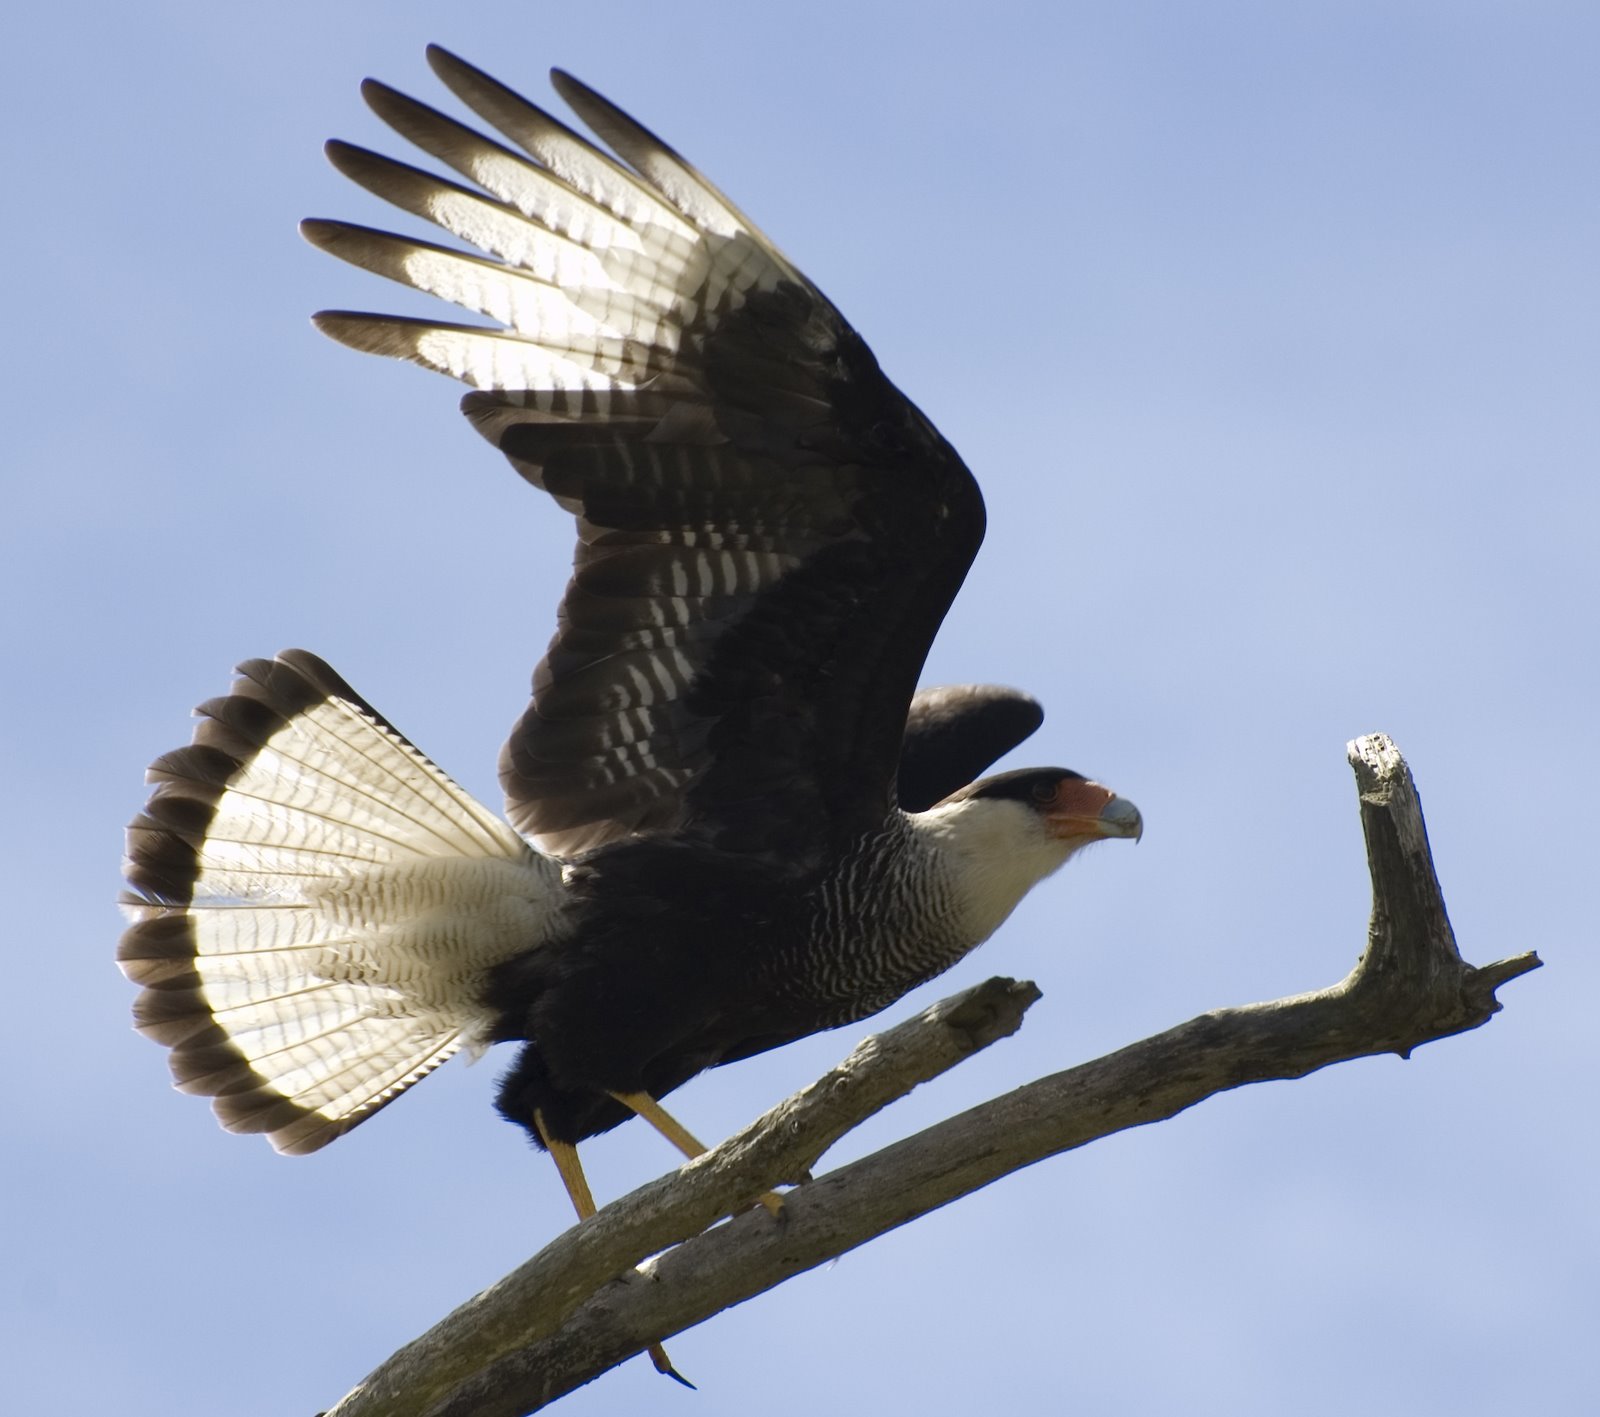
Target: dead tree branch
<point x="581" y="1306"/>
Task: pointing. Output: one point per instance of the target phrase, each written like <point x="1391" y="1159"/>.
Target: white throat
<point x="988" y="853"/>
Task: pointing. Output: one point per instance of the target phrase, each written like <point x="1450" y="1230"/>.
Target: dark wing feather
<point x="769" y="533"/>
<point x="954" y="733"/>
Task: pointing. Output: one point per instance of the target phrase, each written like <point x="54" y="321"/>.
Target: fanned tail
<point x="315" y="906"/>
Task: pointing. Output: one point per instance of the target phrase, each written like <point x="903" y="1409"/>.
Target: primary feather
<point x="768" y="532"/>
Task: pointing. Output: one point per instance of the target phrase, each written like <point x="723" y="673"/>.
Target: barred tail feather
<point x="315" y="905"/>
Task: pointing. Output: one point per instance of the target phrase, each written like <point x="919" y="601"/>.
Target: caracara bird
<point x="731" y="824"/>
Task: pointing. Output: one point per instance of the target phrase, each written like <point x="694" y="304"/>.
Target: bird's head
<point x="1002" y="835"/>
<point x="1064" y="806"/>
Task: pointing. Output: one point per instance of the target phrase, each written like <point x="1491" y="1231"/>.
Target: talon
<point x="663" y="1364"/>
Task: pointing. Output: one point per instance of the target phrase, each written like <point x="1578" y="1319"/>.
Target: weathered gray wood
<point x="566" y="1317"/>
<point x="779" y="1147"/>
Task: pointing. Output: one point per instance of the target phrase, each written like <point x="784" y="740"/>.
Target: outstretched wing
<point x="769" y="533"/>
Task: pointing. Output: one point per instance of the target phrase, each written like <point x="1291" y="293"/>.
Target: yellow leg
<point x="680" y="1136"/>
<point x="565" y="1156"/>
<point x="663" y="1121"/>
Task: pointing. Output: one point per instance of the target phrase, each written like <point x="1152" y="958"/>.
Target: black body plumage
<point x="682" y="957"/>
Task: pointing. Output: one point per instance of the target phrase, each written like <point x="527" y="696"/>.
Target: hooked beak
<point x="1119" y="817"/>
<point x="1086" y="810"/>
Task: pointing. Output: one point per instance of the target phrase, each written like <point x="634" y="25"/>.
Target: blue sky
<point x="1272" y="334"/>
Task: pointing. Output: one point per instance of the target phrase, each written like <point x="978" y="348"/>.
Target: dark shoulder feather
<point x="954" y="733"/>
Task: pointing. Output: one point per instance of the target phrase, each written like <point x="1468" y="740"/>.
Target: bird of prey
<point x="730" y="821"/>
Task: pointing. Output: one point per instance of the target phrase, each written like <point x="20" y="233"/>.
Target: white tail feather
<point x="316" y="907"/>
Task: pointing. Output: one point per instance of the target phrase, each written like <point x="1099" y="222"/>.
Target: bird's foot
<point x="663" y="1364"/>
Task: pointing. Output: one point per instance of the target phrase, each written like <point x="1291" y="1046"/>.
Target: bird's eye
<point x="1044" y="792"/>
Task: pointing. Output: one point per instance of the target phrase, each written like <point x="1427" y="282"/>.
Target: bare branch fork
<point x="580" y="1306"/>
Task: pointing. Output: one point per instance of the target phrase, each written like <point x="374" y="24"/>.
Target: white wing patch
<point x="621" y="372"/>
<point x="591" y="268"/>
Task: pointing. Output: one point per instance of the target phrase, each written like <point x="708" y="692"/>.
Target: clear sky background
<point x="1272" y="334"/>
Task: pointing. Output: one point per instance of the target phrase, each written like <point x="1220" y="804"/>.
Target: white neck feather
<point x="989" y="853"/>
